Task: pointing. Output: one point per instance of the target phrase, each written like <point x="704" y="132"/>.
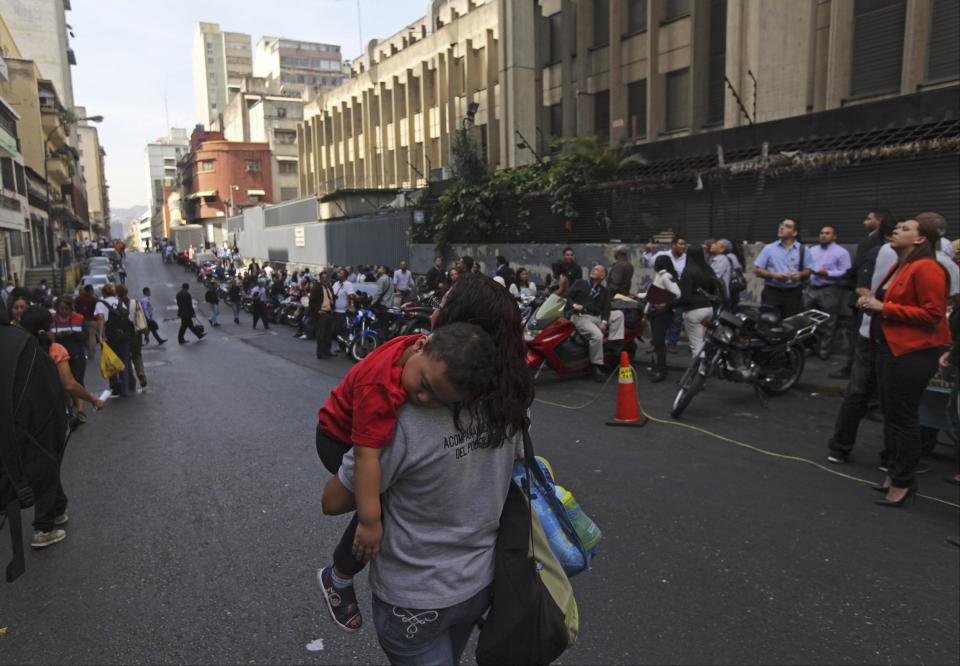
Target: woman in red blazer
<point x="909" y="330"/>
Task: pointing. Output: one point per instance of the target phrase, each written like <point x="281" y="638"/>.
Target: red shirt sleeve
<point x="375" y="414"/>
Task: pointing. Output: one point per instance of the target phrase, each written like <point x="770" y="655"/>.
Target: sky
<point x="133" y="54"/>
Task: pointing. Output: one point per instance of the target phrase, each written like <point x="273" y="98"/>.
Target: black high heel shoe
<point x="881" y="488"/>
<point x="911" y="492"/>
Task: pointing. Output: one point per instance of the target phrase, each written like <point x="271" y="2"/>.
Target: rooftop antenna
<point x="360" y="27"/>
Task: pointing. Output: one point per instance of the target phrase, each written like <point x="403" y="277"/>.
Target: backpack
<point x="738" y="282"/>
<point x="118" y="328"/>
<point x="533" y="617"/>
<point x="33" y="431"/>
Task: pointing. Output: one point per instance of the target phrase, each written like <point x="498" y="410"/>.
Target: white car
<point x="96" y="280"/>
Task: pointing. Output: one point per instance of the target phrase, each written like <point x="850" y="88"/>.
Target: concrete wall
<point x="537" y="258"/>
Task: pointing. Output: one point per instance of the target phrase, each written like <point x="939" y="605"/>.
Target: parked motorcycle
<point x="553" y="341"/>
<point x="749" y="346"/>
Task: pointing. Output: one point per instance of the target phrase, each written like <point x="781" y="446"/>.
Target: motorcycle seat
<point x="778" y="334"/>
<point x="579" y="340"/>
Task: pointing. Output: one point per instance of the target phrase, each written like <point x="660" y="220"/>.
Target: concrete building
<point x="631" y="71"/>
<point x="219" y="178"/>
<point x="39" y="28"/>
<point x="221" y="60"/>
<point x="13" y="195"/>
<point x="293" y="68"/>
<point x="91" y="169"/>
<point x="256" y="115"/>
<point x="161" y="158"/>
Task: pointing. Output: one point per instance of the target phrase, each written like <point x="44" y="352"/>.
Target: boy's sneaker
<point x="44" y="539"/>
<point x="62" y="519"/>
<point x="341" y="602"/>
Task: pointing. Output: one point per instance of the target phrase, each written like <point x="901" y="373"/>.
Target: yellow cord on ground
<point x="723" y="438"/>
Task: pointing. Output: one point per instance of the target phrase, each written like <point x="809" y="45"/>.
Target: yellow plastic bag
<point x="110" y="363"/>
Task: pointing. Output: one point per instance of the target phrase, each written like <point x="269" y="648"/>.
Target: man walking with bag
<point x="152" y="325"/>
<point x="186" y="313"/>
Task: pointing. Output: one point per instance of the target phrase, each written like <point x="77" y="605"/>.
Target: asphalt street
<point x="195" y="526"/>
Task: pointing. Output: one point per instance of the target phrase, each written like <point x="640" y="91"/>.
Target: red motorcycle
<point x="553" y="341"/>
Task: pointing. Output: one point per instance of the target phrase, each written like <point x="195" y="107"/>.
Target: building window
<point x="637" y="109"/>
<point x="253" y="166"/>
<point x="601" y="23"/>
<point x="675" y="9"/>
<point x="601" y="113"/>
<point x="285" y="137"/>
<point x="555" y="24"/>
<point x="206" y="165"/>
<point x="878" y="27"/>
<point x="636" y="16"/>
<point x="6" y="171"/>
<point x="209" y="47"/>
<point x="213" y="107"/>
<point x="288" y="193"/>
<point x="718" y="61"/>
<point x="281" y="112"/>
<point x="21" y="180"/>
<point x="677" y="100"/>
<point x="943" y="61"/>
<point x="209" y="61"/>
<point x="287" y="166"/>
<point x="556" y="123"/>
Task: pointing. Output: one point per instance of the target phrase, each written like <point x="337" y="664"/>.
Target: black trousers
<point x="331" y="452"/>
<point x="260" y="314"/>
<point x="154" y="329"/>
<point x="660" y="322"/>
<point x="787" y="302"/>
<point x="323" y="326"/>
<point x="903" y="379"/>
<point x="187" y="324"/>
<point x="340" y="327"/>
<point x="856" y="399"/>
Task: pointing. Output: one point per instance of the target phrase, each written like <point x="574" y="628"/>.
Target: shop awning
<point x="256" y="193"/>
<point x="206" y="194"/>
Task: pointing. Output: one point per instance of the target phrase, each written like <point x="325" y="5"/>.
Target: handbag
<point x="198" y="326"/>
<point x="533" y="617"/>
<point x="140" y="319"/>
<point x="738" y="282"/>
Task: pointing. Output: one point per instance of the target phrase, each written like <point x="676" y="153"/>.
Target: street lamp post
<point x="46" y="179"/>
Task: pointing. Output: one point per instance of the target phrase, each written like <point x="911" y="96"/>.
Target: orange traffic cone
<point x="628" y="408"/>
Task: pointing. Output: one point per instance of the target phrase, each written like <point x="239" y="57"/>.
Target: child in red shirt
<point x="454" y="365"/>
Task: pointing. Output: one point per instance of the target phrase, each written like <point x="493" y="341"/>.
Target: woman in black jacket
<point x="697" y="276"/>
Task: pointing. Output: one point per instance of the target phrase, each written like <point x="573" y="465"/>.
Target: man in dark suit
<point x="593" y="318"/>
<point x="186" y="313"/>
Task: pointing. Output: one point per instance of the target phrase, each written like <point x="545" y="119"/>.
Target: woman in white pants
<point x="697" y="279"/>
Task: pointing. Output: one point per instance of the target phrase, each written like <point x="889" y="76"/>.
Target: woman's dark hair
<point x="697" y="272"/>
<point x="927" y="227"/>
<point x="478" y="300"/>
<point x="36" y="322"/>
<point x="470" y="357"/>
<point x="520" y="271"/>
<point x="664" y="263"/>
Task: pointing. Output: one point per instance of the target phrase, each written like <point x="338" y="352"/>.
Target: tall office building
<point x="221" y="60"/>
<point x="39" y="28"/>
<point x="291" y="67"/>
<point x="162" y="156"/>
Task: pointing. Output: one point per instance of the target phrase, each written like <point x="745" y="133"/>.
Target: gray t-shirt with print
<point x="443" y="492"/>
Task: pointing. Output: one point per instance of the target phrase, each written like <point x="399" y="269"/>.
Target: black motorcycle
<point x="749" y="346"/>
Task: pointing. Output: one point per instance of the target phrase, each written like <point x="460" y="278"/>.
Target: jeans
<point x="673" y="333"/>
<point x="214" y="313"/>
<point x="120" y="382"/>
<point x="863" y="383"/>
<point x="428" y="637"/>
<point x="903" y="379"/>
<point x="695" y="330"/>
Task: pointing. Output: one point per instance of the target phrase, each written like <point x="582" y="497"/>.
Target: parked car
<point x="96" y="280"/>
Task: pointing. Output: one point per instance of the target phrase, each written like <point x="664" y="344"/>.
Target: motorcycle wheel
<point x="363" y="345"/>
<point x="782" y="370"/>
<point x="690" y="386"/>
